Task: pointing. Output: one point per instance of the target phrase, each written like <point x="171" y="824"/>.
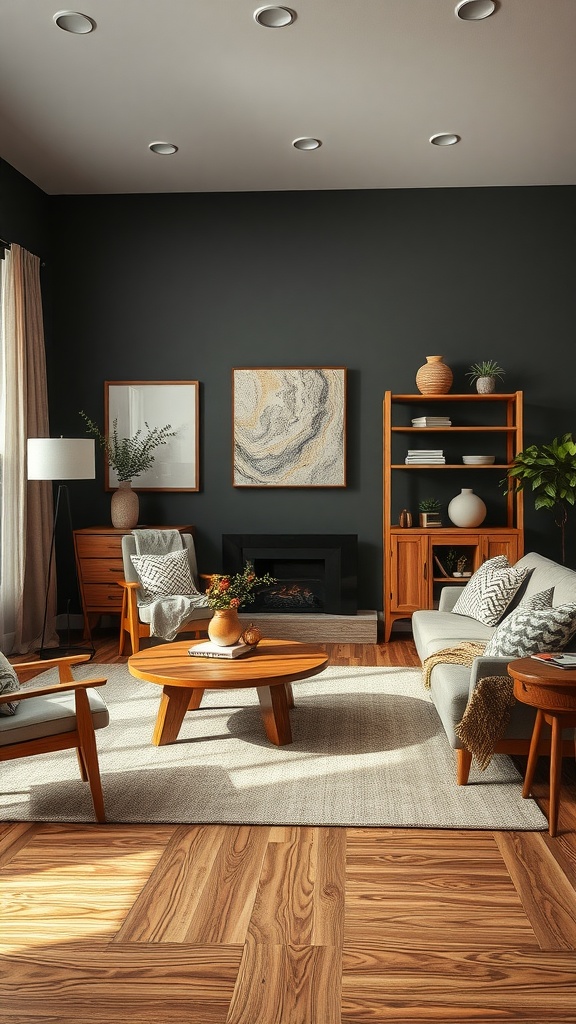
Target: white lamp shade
<point x="61" y="458"/>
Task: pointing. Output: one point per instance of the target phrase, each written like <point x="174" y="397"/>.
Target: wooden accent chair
<point x="57" y="716"/>
<point x="135" y="616"/>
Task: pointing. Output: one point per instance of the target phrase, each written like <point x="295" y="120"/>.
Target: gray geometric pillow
<point x="526" y="631"/>
<point x="538" y="601"/>
<point x="490" y="590"/>
<point x="8" y="683"/>
<point x="165" y="575"/>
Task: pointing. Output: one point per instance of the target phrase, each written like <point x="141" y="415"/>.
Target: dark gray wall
<point x="189" y="286"/>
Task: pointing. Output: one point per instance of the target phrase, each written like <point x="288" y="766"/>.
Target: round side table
<point x="552" y="691"/>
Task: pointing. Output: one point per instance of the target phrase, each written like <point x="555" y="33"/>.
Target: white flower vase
<point x="124" y="506"/>
<point x="467" y="509"/>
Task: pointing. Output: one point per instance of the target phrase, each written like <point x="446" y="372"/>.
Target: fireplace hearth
<point x="314" y="572"/>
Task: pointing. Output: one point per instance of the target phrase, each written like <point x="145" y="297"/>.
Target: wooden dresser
<point x="98" y="552"/>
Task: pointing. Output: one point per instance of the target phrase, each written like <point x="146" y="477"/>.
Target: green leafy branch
<point x="129" y="456"/>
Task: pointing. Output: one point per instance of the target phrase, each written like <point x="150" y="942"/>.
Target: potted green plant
<point x="129" y="457"/>
<point x="550" y="471"/>
<point x="484" y="375"/>
<point x="429" y="509"/>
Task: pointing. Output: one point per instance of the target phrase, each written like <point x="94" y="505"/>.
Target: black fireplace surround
<point x="315" y="572"/>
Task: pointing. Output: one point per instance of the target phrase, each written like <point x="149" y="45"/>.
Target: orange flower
<point x="234" y="602"/>
<point x="224" y="583"/>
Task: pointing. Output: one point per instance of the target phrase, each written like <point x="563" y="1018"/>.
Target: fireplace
<point x="316" y="572"/>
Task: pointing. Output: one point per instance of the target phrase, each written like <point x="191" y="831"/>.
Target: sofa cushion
<point x="490" y="590"/>
<point x="543" y="599"/>
<point x="8" y="683"/>
<point x="527" y="631"/>
<point x="164" y="575"/>
<point x="434" y="630"/>
<point x="546" y="573"/>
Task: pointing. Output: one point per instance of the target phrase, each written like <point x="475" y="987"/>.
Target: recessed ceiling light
<point x="163" y="148"/>
<point x="475" y="10"/>
<point x="307" y="144"/>
<point x="444" y="139"/>
<point x="274" y="17"/>
<point x="72" y="21"/>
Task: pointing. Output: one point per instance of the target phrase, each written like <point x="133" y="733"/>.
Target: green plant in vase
<point x="485" y="375"/>
<point x="429" y="509"/>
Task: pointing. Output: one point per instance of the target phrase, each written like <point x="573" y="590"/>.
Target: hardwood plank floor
<point x="255" y="925"/>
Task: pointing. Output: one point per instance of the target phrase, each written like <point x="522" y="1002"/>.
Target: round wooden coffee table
<point x="553" y="692"/>
<point x="270" y="667"/>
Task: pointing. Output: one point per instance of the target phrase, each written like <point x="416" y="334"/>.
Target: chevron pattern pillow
<point x="527" y="631"/>
<point x="490" y="590"/>
<point x="543" y="599"/>
<point x="164" y="575"/>
<point x="8" y="683"/>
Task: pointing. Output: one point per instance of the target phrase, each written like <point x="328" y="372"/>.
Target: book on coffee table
<point x="556" y="660"/>
<point x="209" y="650"/>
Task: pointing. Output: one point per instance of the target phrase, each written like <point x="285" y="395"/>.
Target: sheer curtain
<point x="26" y="508"/>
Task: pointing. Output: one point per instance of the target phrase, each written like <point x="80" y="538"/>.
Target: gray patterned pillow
<point x="526" y="631"/>
<point x="8" y="683"/>
<point x="538" y="601"/>
<point x="164" y="575"/>
<point x="490" y="590"/>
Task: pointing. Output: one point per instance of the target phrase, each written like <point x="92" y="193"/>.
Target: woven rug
<point x="369" y="749"/>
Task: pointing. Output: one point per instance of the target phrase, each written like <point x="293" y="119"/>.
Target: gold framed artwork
<point x="289" y="426"/>
<point x="139" y="404"/>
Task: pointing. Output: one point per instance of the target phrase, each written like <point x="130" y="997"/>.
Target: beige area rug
<point x="368" y="750"/>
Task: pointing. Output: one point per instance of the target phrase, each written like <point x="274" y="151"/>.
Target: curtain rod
<point x="8" y="245"/>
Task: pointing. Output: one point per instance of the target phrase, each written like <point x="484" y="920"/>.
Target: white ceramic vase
<point x="124" y="506"/>
<point x="467" y="509"/>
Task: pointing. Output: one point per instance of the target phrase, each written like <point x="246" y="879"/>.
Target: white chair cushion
<point x="49" y="716"/>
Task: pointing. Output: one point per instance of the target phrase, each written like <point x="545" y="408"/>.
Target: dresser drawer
<point x="99" y="546"/>
<point x="102" y="597"/>
<point x="101" y="570"/>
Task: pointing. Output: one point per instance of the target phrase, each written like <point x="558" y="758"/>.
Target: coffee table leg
<point x="174" y="704"/>
<point x="195" y="699"/>
<point x="274" y="708"/>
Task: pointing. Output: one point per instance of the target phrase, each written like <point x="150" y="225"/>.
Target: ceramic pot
<point x="466" y="509"/>
<point x="434" y="378"/>
<point x="485" y="385"/>
<point x="225" y="627"/>
<point x="124" y="506"/>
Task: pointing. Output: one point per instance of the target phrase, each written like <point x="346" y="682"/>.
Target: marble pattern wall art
<point x="289" y="426"/>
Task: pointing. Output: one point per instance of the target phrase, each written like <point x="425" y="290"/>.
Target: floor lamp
<point x="58" y="459"/>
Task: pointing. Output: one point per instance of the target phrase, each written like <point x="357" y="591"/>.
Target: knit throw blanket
<point x="463" y="654"/>
<point x="486" y="717"/>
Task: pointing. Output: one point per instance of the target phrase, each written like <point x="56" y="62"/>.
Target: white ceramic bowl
<point x="478" y="460"/>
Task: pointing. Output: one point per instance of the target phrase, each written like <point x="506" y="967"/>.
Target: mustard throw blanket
<point x="486" y="717"/>
<point x="463" y="654"/>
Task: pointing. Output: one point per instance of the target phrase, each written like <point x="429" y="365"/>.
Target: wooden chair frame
<point x="130" y="624"/>
<point x="82" y="738"/>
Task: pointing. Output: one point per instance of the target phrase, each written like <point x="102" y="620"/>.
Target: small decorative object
<point x="429" y="510"/>
<point x="434" y="377"/>
<point x="485" y="375"/>
<point x="251" y="635"/>
<point x="550" y="470"/>
<point x="461" y="565"/>
<point x="129" y="457"/>
<point x="226" y="594"/>
<point x="405" y="518"/>
<point x="467" y="509"/>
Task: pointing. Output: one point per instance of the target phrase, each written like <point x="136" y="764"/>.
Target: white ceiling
<point x="373" y="79"/>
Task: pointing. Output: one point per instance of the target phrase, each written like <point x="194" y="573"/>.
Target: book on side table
<point x="209" y="650"/>
<point x="557" y="660"/>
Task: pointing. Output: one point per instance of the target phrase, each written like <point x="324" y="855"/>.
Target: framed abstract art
<point x="289" y="426"/>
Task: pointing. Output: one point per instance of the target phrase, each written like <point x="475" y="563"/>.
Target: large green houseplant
<point x="550" y="471"/>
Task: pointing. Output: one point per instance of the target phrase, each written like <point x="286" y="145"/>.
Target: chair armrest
<point x="127" y="585"/>
<point x="40" y="691"/>
<point x="482" y="667"/>
<point x="448" y="598"/>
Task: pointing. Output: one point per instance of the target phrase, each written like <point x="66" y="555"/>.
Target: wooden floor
<point x="256" y="925"/>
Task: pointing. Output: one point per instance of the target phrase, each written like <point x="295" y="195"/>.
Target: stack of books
<point x="432" y="421"/>
<point x="209" y="650"/>
<point x="432" y="456"/>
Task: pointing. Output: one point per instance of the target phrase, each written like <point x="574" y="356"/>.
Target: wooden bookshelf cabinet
<point x="98" y="551"/>
<point x="414" y="556"/>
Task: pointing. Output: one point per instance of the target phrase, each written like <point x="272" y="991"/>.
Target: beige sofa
<point x="451" y="686"/>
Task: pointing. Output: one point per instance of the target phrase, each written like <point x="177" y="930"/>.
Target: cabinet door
<point x="500" y="544"/>
<point x="409" y="573"/>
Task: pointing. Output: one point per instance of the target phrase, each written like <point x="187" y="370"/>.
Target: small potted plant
<point x="461" y="564"/>
<point x="485" y="375"/>
<point x="429" y="510"/>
